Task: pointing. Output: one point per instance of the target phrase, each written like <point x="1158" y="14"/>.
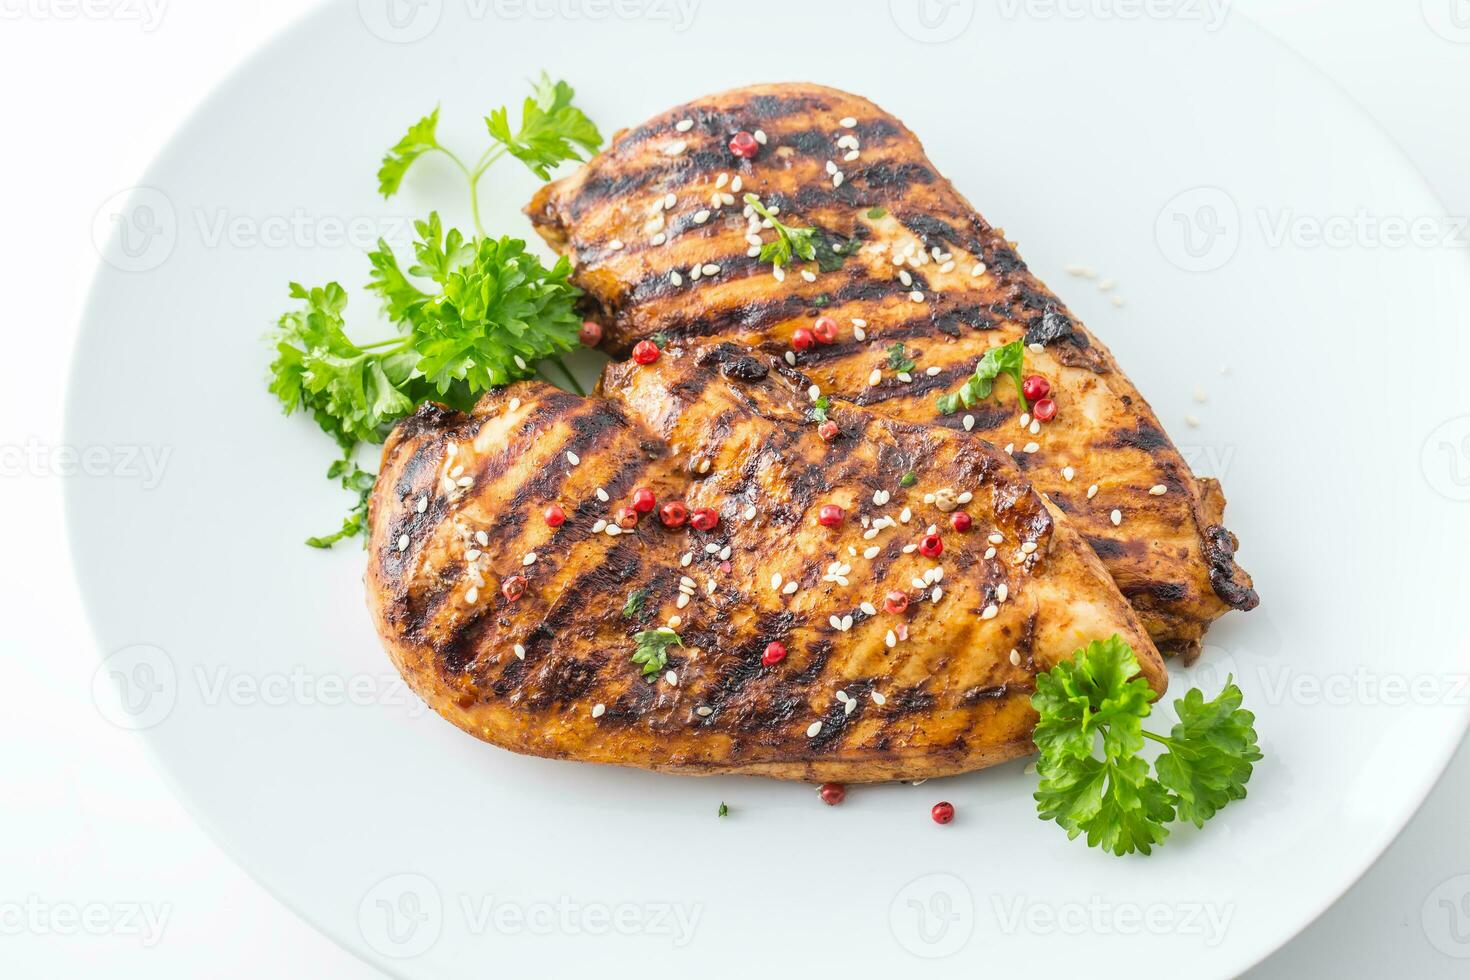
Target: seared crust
<point x="1169" y="554"/>
<point x="946" y="699"/>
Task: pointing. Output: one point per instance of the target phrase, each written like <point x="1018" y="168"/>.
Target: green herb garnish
<point x="789" y="241"/>
<point x="1007" y="360"/>
<point x="360" y="482"/>
<point x="820" y="408"/>
<point x="634" y="605"/>
<point x="652" y="650"/>
<point x="898" y="359"/>
<point x="830" y="255"/>
<point x="909" y="479"/>
<point x="876" y="213"/>
<point x="1098" y="700"/>
<point x="723" y="811"/>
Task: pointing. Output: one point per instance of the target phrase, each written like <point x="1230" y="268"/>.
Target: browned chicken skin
<point x="655" y="228"/>
<point x="863" y="694"/>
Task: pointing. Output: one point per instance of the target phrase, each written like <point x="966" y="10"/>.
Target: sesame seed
<point x="990" y="612"/>
<point x="932" y="371"/>
<point x="1035" y="427"/>
<point x="1027" y="547"/>
<point x="916" y="296"/>
<point x="989" y="553"/>
<point x="881" y="497"/>
<point x="965" y="497"/>
<point x="846" y="620"/>
<point x="835" y="622"/>
<point x="1010" y="449"/>
<point x="1068" y="473"/>
<point x="704" y="711"/>
<point x="598" y="709"/>
<point x="905" y="278"/>
<point x="814" y="729"/>
<point x="760" y="136"/>
<point x="858" y="321"/>
<point x="1015" y="658"/>
<point x="452" y="448"/>
<point x="458" y="470"/>
<point x="1002" y="592"/>
<point x="711" y="270"/>
<point x="808" y="275"/>
<point x="918" y="583"/>
<point x="403" y="542"/>
<point x="675" y="148"/>
<point x="573" y="458"/>
<point x="868" y="609"/>
<point x="978" y="270"/>
<point x="602" y="495"/>
<point x="695" y="272"/>
<point x="1192" y="420"/>
<point x="515" y="403"/>
<point x="1092" y="491"/>
<point x="464" y="481"/>
<point x="776" y="581"/>
<point x="849" y="707"/>
<point x="1116" y="517"/>
<point x="947" y="267"/>
<point x="711" y="548"/>
<point x="848" y="122"/>
<point x="724" y="555"/>
<point x="671" y="677"/>
<point x="814" y="392"/>
<point x="871" y="553"/>
<point x="875" y="378"/>
<point x="519" y="651"/>
<point x="878" y="699"/>
<point x="687" y="557"/>
<point x="736" y="184"/>
<point x="1030" y="447"/>
<point x="789" y="588"/>
<point x="842" y="696"/>
<point x="482" y="538"/>
<point x="612" y="530"/>
<point x="669" y="201"/>
<point x="905" y="377"/>
<point x="616" y="245"/>
<point x="472" y="596"/>
<point x="891" y="641"/>
<point x="423" y="504"/>
<point x="684" y="125"/>
<point x="905" y="515"/>
<point x="682" y="601"/>
<point x="778" y="273"/>
<point x="530" y="558"/>
<point x="937" y="594"/>
<point x="791" y="358"/>
<point x="675" y="278"/>
<point x="598" y="526"/>
<point x="1036" y="348"/>
<point x="997" y="538"/>
<point x="704" y="466"/>
<point x="701" y="216"/>
<point x="472" y="554"/>
<point x="659" y="239"/>
<point x="969" y="422"/>
<point x="750" y="512"/>
<point x="850" y="156"/>
<point x="1158" y="490"/>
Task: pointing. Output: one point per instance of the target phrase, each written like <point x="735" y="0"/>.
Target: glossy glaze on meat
<point x="862" y="695"/>
<point x="658" y="233"/>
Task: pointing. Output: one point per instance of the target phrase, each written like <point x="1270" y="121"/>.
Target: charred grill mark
<point x="1106" y="548"/>
<point x="1145" y="436"/>
<point x="1226" y="578"/>
<point x="1156" y="591"/>
<point x="989" y="692"/>
<point x="762" y="314"/>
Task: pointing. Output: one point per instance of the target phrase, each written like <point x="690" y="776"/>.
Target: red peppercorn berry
<point x="775" y="653"/>
<point x="825" y="330"/>
<point x="673" y="514"/>
<point x="896" y="602"/>
<point x="803" y="339"/>
<point x="591" y="333"/>
<point x="942" y="812"/>
<point x="1045" y="410"/>
<point x="832" y="793"/>
<point x="645" y="352"/>
<point x="704" y="519"/>
<point x="830" y="515"/>
<point x="930" y="545"/>
<point x="1035" y="387"/>
<point x="827" y="430"/>
<point x="960" y="521"/>
<point x="514" y="587"/>
<point x="744" y="145"/>
<point x="627" y="518"/>
<point x="643" y="500"/>
<point x="555" y="516"/>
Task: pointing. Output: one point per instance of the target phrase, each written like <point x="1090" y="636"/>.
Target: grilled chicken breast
<point x="522" y="633"/>
<point x="662" y="241"/>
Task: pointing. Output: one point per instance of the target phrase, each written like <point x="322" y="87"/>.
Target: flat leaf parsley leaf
<point x="1008" y="360"/>
<point x="551" y="128"/>
<point x="1097" y="701"/>
<point x="789" y="242"/>
<point x="899" y="360"/>
<point x="652" y="649"/>
<point x="634" y="605"/>
<point x="820" y="408"/>
<point x="420" y="139"/>
<point x="360" y="482"/>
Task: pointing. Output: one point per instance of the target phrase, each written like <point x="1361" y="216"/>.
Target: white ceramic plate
<point x="1170" y="153"/>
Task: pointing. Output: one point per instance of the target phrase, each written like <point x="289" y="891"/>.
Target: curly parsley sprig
<point x="651" y="650"/>
<point x="1096" y="702"/>
<point x="471" y="312"/>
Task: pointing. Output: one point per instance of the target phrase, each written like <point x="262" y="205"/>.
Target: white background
<point x="86" y="820"/>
